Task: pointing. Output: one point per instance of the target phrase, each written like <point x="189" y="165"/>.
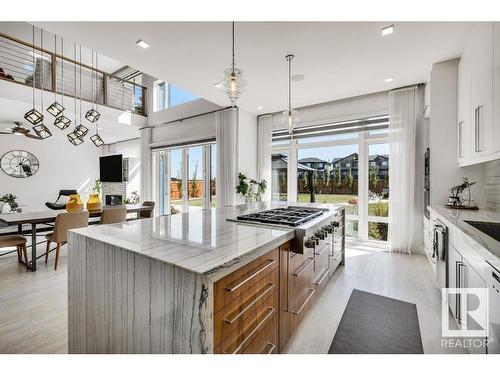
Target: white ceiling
<point x="338" y="59"/>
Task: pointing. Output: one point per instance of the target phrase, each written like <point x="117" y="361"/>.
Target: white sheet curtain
<point x="264" y="144"/>
<point x="226" y="129"/>
<point x="405" y="114"/>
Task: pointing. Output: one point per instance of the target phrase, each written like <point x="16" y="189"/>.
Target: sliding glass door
<point x="186" y="178"/>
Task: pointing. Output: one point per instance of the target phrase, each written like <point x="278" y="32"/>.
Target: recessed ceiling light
<point x="389" y="79"/>
<point x="219" y="85"/>
<point x="259" y="107"/>
<point x="142" y="43"/>
<point x="387" y="30"/>
<point x="298" y="77"/>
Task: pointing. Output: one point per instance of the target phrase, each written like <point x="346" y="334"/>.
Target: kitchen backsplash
<point x="493" y="185"/>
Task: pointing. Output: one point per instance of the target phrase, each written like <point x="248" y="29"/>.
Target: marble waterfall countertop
<point x="202" y="241"/>
<point x="484" y="245"/>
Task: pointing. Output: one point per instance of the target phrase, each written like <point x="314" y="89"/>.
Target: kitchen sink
<point x="488" y="228"/>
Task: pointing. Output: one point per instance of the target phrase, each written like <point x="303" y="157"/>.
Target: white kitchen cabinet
<point x="496" y="87"/>
<point x="478" y="88"/>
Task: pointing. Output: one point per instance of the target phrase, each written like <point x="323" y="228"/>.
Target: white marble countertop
<point x="199" y="241"/>
<point x="488" y="247"/>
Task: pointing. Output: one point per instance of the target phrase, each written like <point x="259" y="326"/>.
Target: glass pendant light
<point x="92" y="115"/>
<point x="62" y="122"/>
<point x="33" y="116"/>
<point x="96" y="138"/>
<point x="73" y="137"/>
<point x="291" y="116"/>
<point x="55" y="109"/>
<point x="40" y="129"/>
<point x="233" y="82"/>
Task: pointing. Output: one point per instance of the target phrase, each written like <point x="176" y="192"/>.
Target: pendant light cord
<point x="80" y="84"/>
<point x="55" y="57"/>
<point x="92" y="79"/>
<point x="34" y="69"/>
<point x="41" y="59"/>
<point x="74" y="91"/>
<point x="290" y="85"/>
<point x="62" y="73"/>
<point x="233" y="43"/>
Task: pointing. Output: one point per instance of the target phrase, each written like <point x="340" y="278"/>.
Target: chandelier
<point x="233" y="82"/>
<point x="291" y="116"/>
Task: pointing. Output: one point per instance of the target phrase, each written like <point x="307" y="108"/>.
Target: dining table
<point x="49" y="216"/>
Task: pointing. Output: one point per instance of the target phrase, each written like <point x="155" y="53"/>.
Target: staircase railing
<point x="16" y="65"/>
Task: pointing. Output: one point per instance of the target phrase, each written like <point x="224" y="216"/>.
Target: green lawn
<point x="374" y="209"/>
<point x="196" y="202"/>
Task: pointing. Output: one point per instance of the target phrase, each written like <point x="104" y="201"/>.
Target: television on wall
<point x="111" y="168"/>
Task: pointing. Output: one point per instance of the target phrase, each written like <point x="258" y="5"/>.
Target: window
<point x="176" y="180"/>
<point x="167" y="95"/>
<point x="336" y="168"/>
<point x="195" y="183"/>
<point x="279" y="177"/>
<point x="213" y="175"/>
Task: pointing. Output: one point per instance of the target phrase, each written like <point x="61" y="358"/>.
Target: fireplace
<point x="113" y="199"/>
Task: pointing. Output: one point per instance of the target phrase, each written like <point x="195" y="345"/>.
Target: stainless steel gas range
<point x="313" y="226"/>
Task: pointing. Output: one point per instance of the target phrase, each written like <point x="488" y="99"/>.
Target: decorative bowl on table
<point x="75" y="204"/>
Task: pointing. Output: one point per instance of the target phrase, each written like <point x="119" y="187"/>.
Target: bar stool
<point x="19" y="242"/>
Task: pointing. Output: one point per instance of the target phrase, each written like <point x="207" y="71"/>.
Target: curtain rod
<point x="125" y="140"/>
<point x="189" y="117"/>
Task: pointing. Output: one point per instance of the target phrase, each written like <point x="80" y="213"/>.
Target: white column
<point x="146" y="164"/>
<point x="264" y="150"/>
<point x="226" y="124"/>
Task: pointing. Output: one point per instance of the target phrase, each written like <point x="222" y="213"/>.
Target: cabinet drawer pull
<point x="245" y="309"/>
<point x="231" y="288"/>
<point x="323" y="277"/>
<point x="311" y="292"/>
<point x="271" y="347"/>
<point x="306" y="264"/>
<point x="270" y="313"/>
<point x="322" y="249"/>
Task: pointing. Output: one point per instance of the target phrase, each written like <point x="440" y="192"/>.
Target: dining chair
<point x="149" y="213"/>
<point x="64" y="222"/>
<point x="19" y="242"/>
<point x="110" y="215"/>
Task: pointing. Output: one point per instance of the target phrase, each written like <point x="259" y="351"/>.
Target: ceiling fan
<point x="19" y="130"/>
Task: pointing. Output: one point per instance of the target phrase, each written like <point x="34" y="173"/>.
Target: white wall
<point x="247" y="144"/>
<point x="62" y="166"/>
<point x="445" y="171"/>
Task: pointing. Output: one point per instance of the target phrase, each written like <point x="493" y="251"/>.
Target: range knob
<point x="315" y="239"/>
<point x="309" y="243"/>
<point x="327" y="229"/>
<point x="320" y="234"/>
<point x="336" y="224"/>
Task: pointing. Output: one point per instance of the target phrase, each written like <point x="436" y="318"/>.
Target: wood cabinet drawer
<point x="266" y="341"/>
<point x="301" y="285"/>
<point x="321" y="265"/>
<point x="231" y="316"/>
<point x="242" y="336"/>
<point x="231" y="286"/>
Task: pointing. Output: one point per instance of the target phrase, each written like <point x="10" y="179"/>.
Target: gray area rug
<point x="374" y="324"/>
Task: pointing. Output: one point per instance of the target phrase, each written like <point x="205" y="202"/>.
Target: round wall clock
<point x="19" y="164"/>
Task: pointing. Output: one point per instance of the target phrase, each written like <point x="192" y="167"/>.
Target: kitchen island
<point x="195" y="283"/>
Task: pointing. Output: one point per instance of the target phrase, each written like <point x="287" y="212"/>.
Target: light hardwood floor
<point x="33" y="305"/>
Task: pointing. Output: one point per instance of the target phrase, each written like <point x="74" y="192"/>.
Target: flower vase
<point x="75" y="204"/>
<point x="94" y="202"/>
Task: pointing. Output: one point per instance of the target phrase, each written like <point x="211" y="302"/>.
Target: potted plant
<point x="251" y="190"/>
<point x="455" y="198"/>
<point x="8" y="203"/>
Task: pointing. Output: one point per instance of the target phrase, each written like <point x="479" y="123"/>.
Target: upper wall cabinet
<point x="478" y="91"/>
